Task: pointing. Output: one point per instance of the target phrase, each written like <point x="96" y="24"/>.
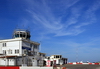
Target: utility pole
<point x="40" y="45"/>
<point x="77" y="54"/>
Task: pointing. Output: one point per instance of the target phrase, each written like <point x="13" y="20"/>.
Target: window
<point x="54" y="56"/>
<point x="16" y="51"/>
<point x="4" y="51"/>
<point x="16" y="34"/>
<point x="9" y="51"/>
<point x="57" y="56"/>
<point x="35" y="46"/>
<point x="4" y="44"/>
<point x="30" y="45"/>
<point x="25" y="51"/>
<point x="35" y="53"/>
<point x="43" y="55"/>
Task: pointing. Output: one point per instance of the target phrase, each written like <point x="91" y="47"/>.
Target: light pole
<point x="40" y="45"/>
<point x="77" y="54"/>
<point x="5" y="55"/>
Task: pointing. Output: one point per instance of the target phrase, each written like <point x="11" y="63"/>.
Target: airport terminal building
<point x="19" y="50"/>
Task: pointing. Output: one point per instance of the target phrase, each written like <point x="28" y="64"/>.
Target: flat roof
<point x="41" y="53"/>
<point x="18" y="39"/>
<point x="56" y="55"/>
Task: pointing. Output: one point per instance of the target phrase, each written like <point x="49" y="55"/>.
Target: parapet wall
<point x="36" y="67"/>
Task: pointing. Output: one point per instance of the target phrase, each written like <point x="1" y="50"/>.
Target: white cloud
<point x="87" y="47"/>
<point x="82" y="24"/>
<point x="42" y="15"/>
<point x="70" y="48"/>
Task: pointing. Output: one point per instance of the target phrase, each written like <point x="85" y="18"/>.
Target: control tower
<point x="21" y="33"/>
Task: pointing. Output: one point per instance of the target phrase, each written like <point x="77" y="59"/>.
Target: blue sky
<point x="67" y="27"/>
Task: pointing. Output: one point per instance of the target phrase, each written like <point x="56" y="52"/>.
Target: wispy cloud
<point x="86" y="49"/>
<point x="69" y="20"/>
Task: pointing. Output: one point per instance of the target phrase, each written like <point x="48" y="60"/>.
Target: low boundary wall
<point x="13" y="67"/>
<point x="86" y="63"/>
<point x="36" y="67"/>
<point x="9" y="67"/>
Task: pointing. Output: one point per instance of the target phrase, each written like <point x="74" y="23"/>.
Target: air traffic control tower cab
<point x="20" y="33"/>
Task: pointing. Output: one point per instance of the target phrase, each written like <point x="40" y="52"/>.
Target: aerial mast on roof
<point x="21" y="33"/>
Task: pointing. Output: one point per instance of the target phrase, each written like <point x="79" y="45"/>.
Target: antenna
<point x="77" y="54"/>
<point x="28" y="28"/>
<point x="40" y="45"/>
<point x="23" y="26"/>
<point x="17" y="27"/>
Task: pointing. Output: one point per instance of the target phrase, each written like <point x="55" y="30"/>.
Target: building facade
<point x="20" y="50"/>
<point x="57" y="59"/>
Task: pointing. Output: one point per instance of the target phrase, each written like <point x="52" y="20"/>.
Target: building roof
<point x="19" y="39"/>
<point x="41" y="53"/>
<point x="56" y="55"/>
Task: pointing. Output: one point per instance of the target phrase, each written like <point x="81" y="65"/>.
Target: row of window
<point x="57" y="56"/>
<point x="9" y="59"/>
<point x="10" y="51"/>
<point x="35" y="46"/>
<point x="30" y="53"/>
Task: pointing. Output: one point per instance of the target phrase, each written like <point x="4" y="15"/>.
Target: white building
<point x="20" y="50"/>
<point x="42" y="56"/>
<point x="57" y="58"/>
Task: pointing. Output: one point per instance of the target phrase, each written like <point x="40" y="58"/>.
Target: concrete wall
<point x="36" y="67"/>
<point x="11" y="45"/>
<point x="2" y="62"/>
<point x="0" y="47"/>
<point x="25" y="67"/>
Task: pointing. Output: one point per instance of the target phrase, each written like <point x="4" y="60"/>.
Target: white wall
<point x="34" y="62"/>
<point x="52" y="56"/>
<point x="36" y="67"/>
<point x="10" y="45"/>
<point x="2" y="62"/>
<point x="0" y="47"/>
<point x="20" y="47"/>
<point x="11" y="62"/>
<point x="13" y="45"/>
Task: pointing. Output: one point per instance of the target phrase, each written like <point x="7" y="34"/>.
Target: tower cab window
<point x="16" y="34"/>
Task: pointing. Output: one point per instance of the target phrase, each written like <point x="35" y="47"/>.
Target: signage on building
<point x="48" y="63"/>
